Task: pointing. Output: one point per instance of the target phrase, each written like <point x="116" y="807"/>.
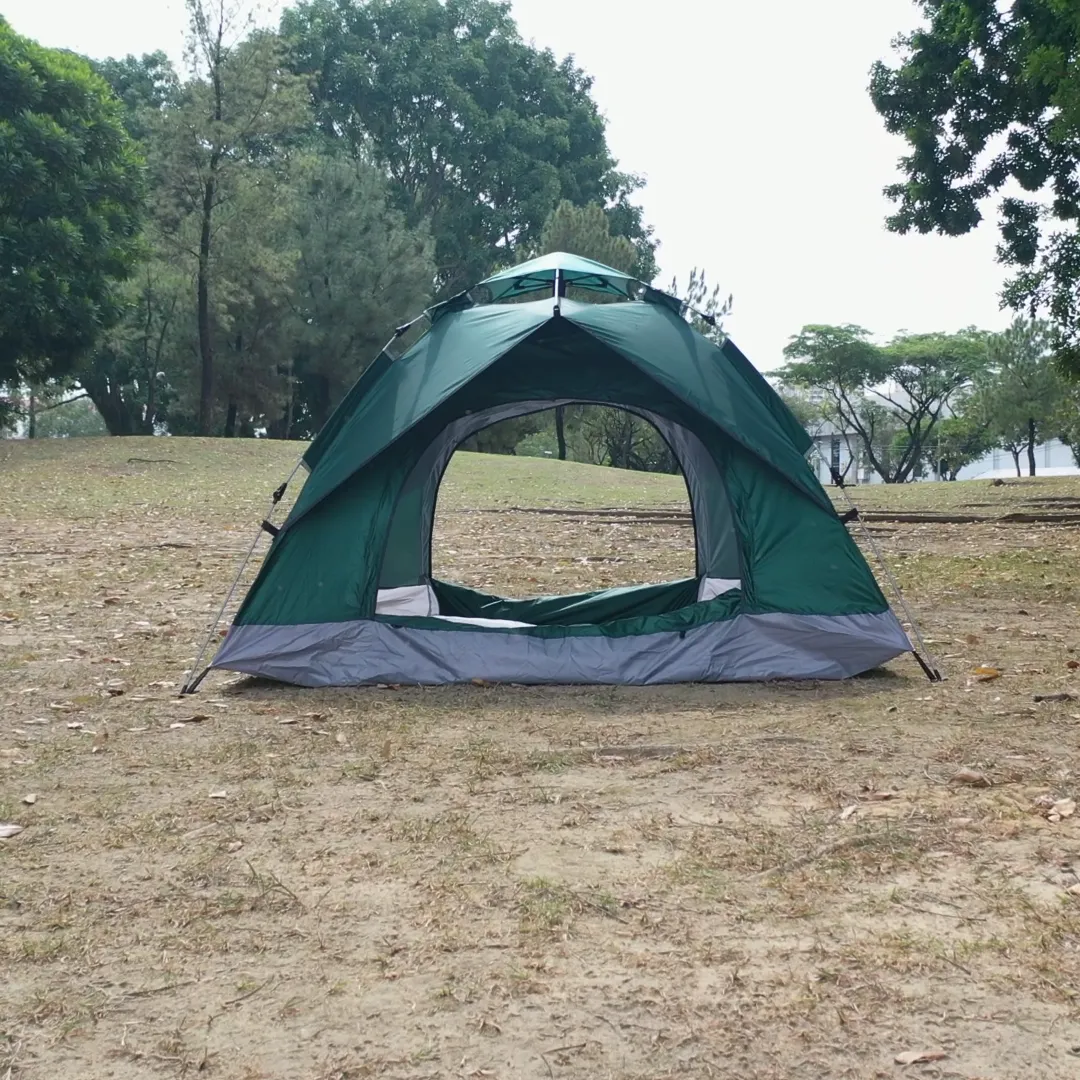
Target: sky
<point x="763" y="157"/>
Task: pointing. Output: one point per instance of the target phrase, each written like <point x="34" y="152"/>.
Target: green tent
<point x="345" y="595"/>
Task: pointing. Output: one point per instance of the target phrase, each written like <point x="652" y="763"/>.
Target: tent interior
<point x="593" y="374"/>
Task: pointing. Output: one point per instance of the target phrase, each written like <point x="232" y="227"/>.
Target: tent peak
<point x="539" y="273"/>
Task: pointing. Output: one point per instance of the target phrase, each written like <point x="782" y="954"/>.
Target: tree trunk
<point x="291" y="404"/>
<point x="560" y="430"/>
<point x="1031" y="447"/>
<point x="206" y="345"/>
<point x="1016" y="460"/>
<point x="31" y="413"/>
<point x="230" y="421"/>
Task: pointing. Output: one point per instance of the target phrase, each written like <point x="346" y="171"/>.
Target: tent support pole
<point x="195" y="676"/>
<point x="922" y="653"/>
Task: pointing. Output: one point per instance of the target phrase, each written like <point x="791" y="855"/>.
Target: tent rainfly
<point x="345" y="595"/>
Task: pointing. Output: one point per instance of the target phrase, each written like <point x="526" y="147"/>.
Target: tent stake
<point x="922" y="653"/>
<point x="191" y="679"/>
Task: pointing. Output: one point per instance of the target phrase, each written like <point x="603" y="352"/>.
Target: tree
<point x="360" y="271"/>
<point x="1067" y="420"/>
<point x="1021" y="396"/>
<point x="988" y="95"/>
<point x="127" y="376"/>
<point x="874" y="394"/>
<point x="221" y="144"/>
<point x="72" y="418"/>
<point x="959" y="441"/>
<point x="70" y="201"/>
<point x="698" y="301"/>
<point x="482" y="134"/>
<point x="145" y="85"/>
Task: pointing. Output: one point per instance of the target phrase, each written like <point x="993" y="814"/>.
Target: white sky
<point x="763" y="156"/>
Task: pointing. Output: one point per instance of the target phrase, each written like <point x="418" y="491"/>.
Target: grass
<point x="601" y="882"/>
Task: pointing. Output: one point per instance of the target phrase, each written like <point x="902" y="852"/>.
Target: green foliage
<point x="307" y="193"/>
<point x="988" y="95"/>
<point x="586" y="231"/>
<point x="699" y="300"/>
<point x="76" y="418"/>
<point x="959" y="441"/>
<point x="482" y="133"/>
<point x="220" y="171"/>
<point x="885" y="401"/>
<point x="1067" y="420"/>
<point x="145" y="85"/>
<point x="1020" y="397"/>
<point x="625" y="441"/>
<point x="70" y="201"/>
<point x="360" y="271"/>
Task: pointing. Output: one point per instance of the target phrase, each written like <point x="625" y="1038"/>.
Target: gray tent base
<point x="748" y="647"/>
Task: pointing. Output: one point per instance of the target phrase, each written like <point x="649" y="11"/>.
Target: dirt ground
<point x="770" y="881"/>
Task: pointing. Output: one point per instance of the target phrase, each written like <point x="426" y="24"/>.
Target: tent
<point x="345" y="595"/>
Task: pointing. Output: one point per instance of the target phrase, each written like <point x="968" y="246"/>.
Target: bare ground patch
<point x="758" y="881"/>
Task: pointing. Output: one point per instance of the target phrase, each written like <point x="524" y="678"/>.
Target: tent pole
<point x="922" y="653"/>
<point x="191" y="679"/>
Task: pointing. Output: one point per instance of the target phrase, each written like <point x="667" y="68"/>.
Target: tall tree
<point x="874" y="394"/>
<point x="226" y="136"/>
<point x="70" y="203"/>
<point x="144" y="84"/>
<point x="988" y="95"/>
<point x="482" y="133"/>
<point x="1021" y="396"/>
<point x="361" y="270"/>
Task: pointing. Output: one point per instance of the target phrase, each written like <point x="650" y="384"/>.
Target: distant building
<point x="1052" y="458"/>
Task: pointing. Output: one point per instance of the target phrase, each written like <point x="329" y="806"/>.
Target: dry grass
<point x="502" y="882"/>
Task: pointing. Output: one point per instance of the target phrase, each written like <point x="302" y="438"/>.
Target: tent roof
<point x="539" y="274"/>
<point x="717" y="382"/>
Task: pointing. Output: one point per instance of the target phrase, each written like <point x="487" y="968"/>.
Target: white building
<point x="1052" y="458"/>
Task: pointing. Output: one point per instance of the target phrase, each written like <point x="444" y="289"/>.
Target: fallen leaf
<point x="7" y="831"/>
<point x="479" y="682"/>
<point x="915" y="1057"/>
<point x="1064" y="807"/>
<point x="985" y="673"/>
<point x="235" y="845"/>
<point x="1072" y="665"/>
<point x="970" y="777"/>
<point x="1074" y="889"/>
<point x="30" y="799"/>
<point x="289" y="720"/>
<point x="339" y="738"/>
<point x="76" y="725"/>
<point x="848" y="811"/>
<point x="218" y="795"/>
<point x="176" y="726"/>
